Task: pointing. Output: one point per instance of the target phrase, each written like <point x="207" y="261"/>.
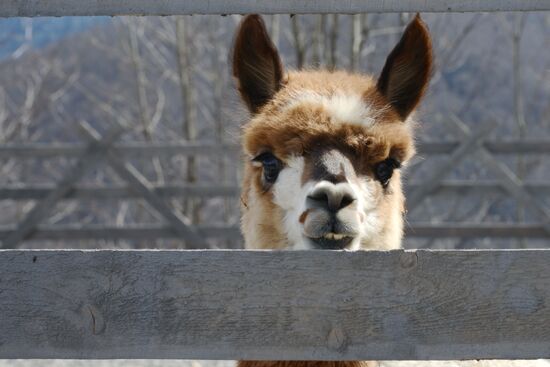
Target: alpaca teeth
<point x="334" y="236"/>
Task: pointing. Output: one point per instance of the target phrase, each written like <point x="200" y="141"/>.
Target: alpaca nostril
<point x="332" y="198"/>
<point x="345" y="200"/>
<point x="319" y="196"/>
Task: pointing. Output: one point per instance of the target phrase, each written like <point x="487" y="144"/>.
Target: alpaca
<point x="324" y="151"/>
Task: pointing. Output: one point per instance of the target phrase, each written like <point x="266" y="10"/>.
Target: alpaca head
<point x="324" y="150"/>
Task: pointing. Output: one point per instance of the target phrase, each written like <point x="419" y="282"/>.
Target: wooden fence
<point x="312" y="305"/>
<point x="178" y="227"/>
<point x="304" y="305"/>
<point x="30" y="8"/>
<point x="106" y="149"/>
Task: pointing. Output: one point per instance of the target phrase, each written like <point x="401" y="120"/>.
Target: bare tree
<point x="517" y="31"/>
<point x="332" y="59"/>
<point x="318" y="40"/>
<point x="185" y="69"/>
<point x="359" y="35"/>
<point x="298" y="41"/>
<point x="275" y="28"/>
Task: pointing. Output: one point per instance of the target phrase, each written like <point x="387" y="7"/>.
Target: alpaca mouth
<point x="332" y="241"/>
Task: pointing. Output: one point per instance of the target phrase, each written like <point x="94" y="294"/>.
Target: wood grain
<point x="29" y="8"/>
<point x="306" y="305"/>
<point x="137" y="150"/>
<point x="155" y="231"/>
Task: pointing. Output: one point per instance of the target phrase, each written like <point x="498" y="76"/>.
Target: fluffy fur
<point x="292" y="128"/>
<point x="302" y="116"/>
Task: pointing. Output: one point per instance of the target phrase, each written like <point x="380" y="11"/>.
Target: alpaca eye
<point x="384" y="170"/>
<point x="271" y="166"/>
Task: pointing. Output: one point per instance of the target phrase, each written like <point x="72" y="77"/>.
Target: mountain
<point x="24" y="33"/>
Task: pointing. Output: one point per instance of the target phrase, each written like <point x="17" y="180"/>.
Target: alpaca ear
<point x="256" y="63"/>
<point x="408" y="68"/>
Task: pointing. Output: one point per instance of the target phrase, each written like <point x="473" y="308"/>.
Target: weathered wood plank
<point x="120" y="192"/>
<point x="475" y="230"/>
<point x="17" y="192"/>
<point x="507" y="146"/>
<point x="129" y="232"/>
<point x="146" y="150"/>
<point x="509" y="180"/>
<point x="94" y="152"/>
<point x="154" y="232"/>
<point x="536" y="188"/>
<point x="317" y="305"/>
<point x="180" y="224"/>
<point x="434" y="177"/>
<point x="133" y="150"/>
<point x="30" y="8"/>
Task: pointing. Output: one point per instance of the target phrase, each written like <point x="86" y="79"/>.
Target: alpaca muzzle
<point x="331" y="221"/>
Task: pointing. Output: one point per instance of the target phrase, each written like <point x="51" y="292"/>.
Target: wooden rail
<point x="24" y="192"/>
<point x="141" y="232"/>
<point x="304" y="305"/>
<point x="33" y="8"/>
<point x="153" y="232"/>
<point x="146" y="150"/>
<point x="525" y="192"/>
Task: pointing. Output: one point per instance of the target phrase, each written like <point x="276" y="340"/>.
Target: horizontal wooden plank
<point x="508" y="146"/>
<point x="146" y="150"/>
<point x="485" y="186"/>
<point x="17" y="192"/>
<point x="119" y="192"/>
<point x="303" y="305"/>
<point x="32" y="8"/>
<point x="129" y="232"/>
<point x="153" y="232"/>
<point x="133" y="150"/>
<point x="475" y="230"/>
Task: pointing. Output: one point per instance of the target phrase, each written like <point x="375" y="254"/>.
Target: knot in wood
<point x="95" y="317"/>
<point x="408" y="259"/>
<point x="337" y="339"/>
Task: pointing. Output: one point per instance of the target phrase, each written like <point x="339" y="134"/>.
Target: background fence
<point x="113" y="154"/>
<point x="140" y="146"/>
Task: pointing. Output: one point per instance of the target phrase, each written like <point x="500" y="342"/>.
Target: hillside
<point x="127" y="70"/>
<point x="21" y="34"/>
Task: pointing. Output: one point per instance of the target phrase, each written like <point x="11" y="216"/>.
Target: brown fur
<point x="297" y="131"/>
<point x="291" y="130"/>
<point x="405" y="76"/>
<point x="256" y="63"/>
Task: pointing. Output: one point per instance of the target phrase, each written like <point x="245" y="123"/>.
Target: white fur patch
<point x="351" y="109"/>
<point x="370" y="225"/>
<point x="290" y="195"/>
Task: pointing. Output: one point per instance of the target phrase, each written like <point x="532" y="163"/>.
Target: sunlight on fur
<point x="324" y="154"/>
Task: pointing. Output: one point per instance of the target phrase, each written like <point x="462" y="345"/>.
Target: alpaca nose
<point x="330" y="197"/>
